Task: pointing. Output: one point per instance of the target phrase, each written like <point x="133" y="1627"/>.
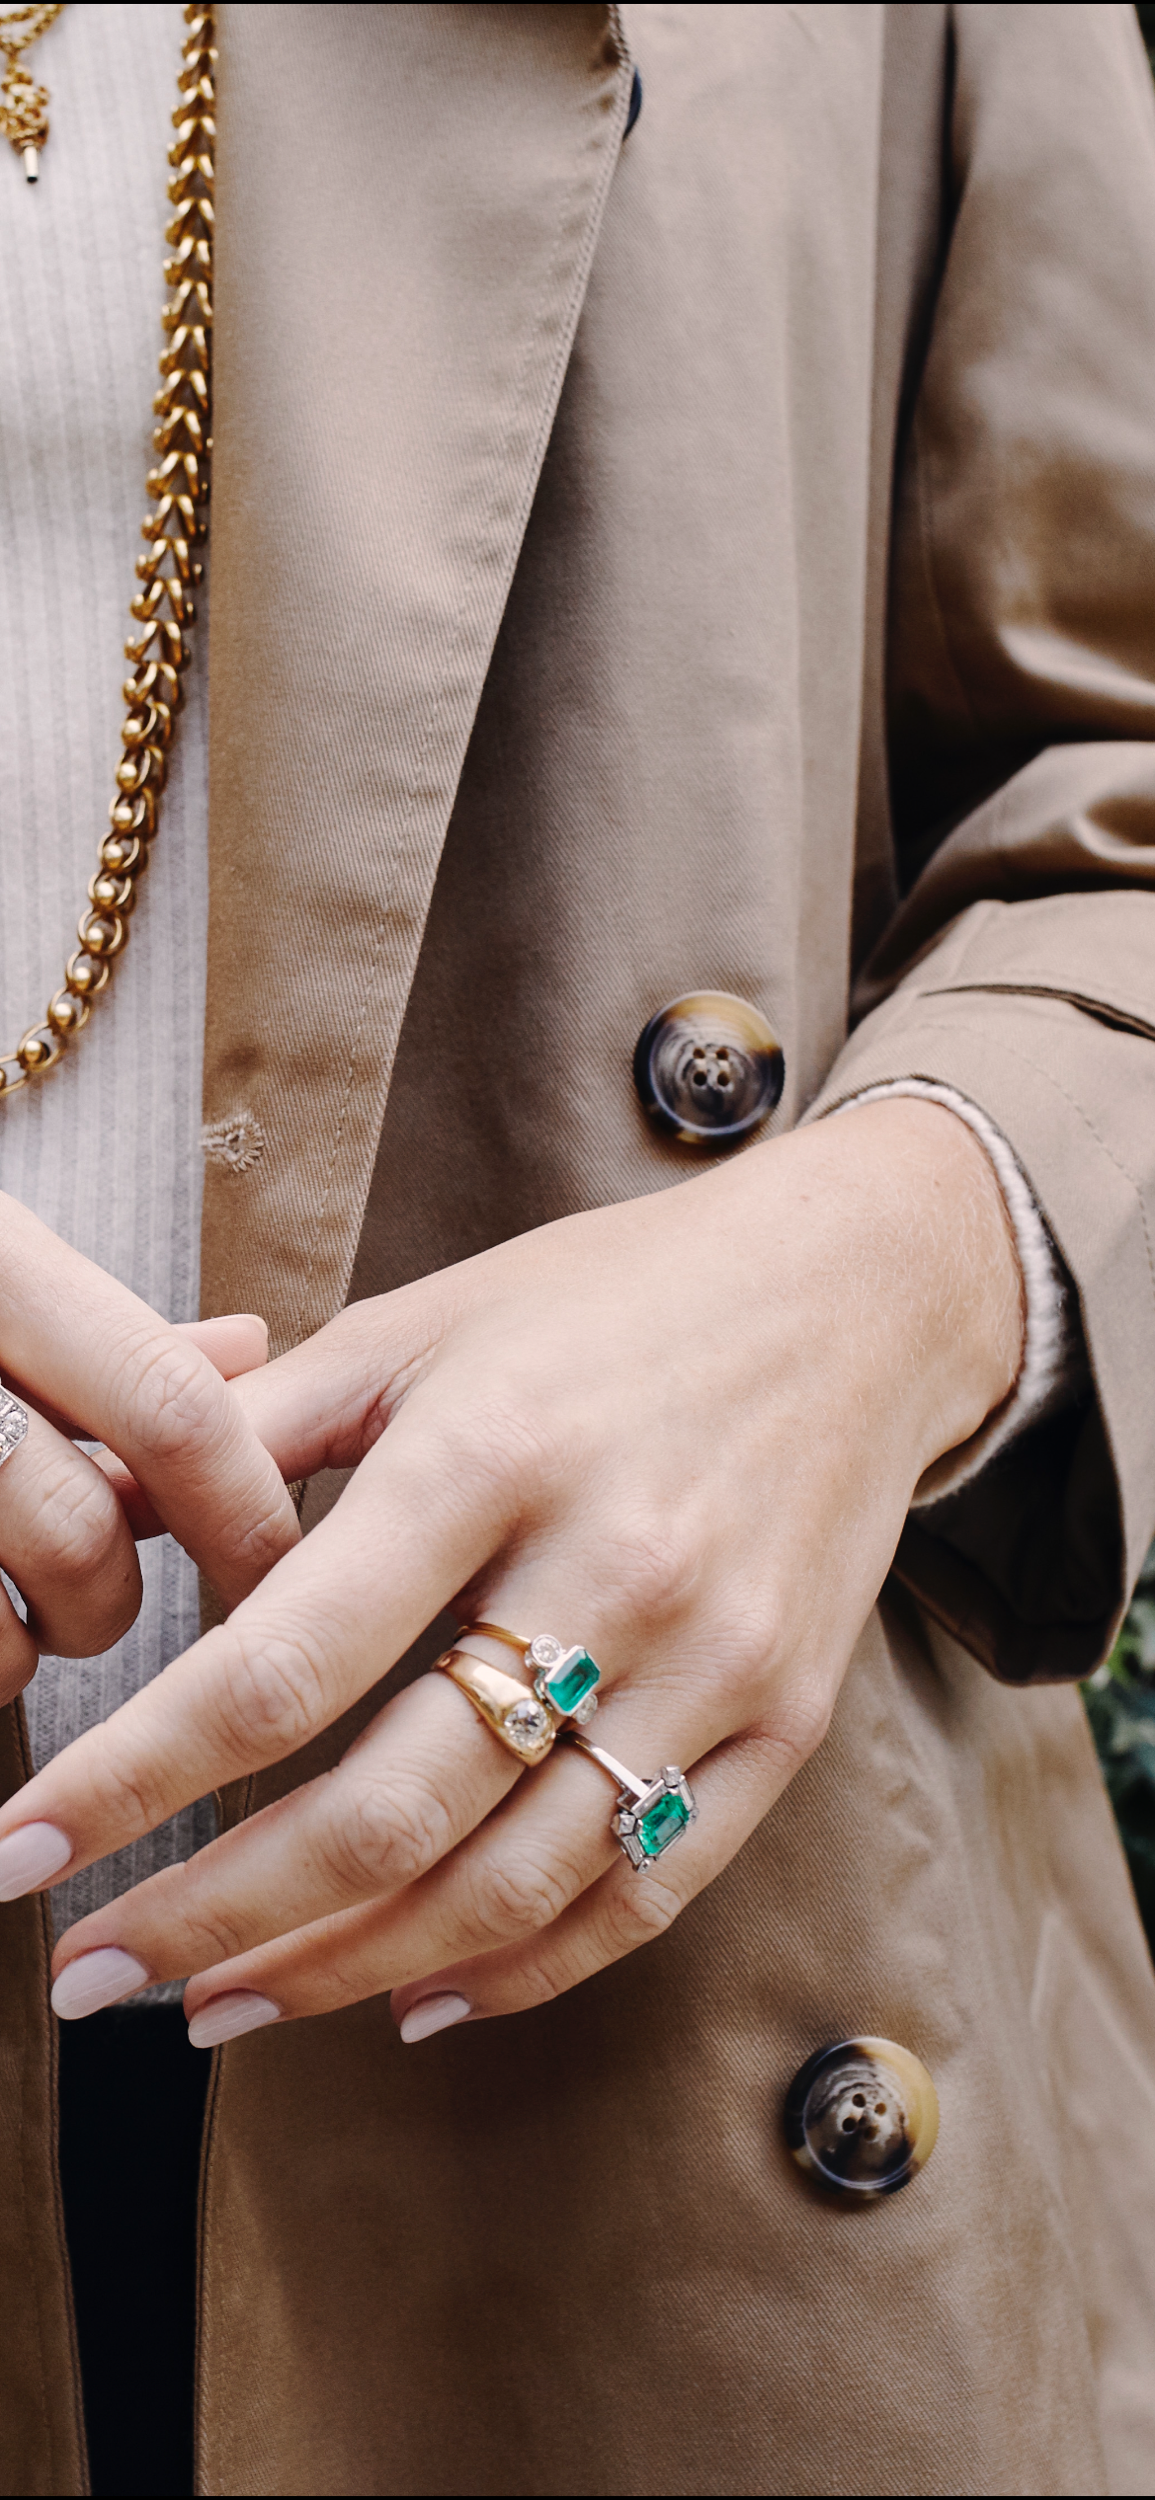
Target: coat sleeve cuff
<point x="1053" y="1370"/>
<point x="1030" y="1562"/>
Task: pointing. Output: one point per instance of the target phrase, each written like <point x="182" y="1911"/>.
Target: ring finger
<point x="65" y="1542"/>
<point x="418" y="1779"/>
<point x="516" y="1874"/>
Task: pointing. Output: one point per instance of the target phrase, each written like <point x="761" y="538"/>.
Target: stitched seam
<point x="1107" y="1010"/>
<point x="537" y="452"/>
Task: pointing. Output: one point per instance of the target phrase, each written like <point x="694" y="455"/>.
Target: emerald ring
<point x="652" y="1814"/>
<point x="563" y="1679"/>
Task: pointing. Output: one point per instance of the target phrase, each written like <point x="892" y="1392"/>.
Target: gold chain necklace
<point x="24" y="105"/>
<point x="179" y="486"/>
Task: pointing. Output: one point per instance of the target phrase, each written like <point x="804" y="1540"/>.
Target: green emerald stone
<point x="567" y="1684"/>
<point x="663" y="1822"/>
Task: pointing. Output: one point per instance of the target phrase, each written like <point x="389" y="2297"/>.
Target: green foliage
<point x="1120" y="1701"/>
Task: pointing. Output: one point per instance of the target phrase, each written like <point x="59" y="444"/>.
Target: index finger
<point x="422" y="1514"/>
<point x="93" y="1350"/>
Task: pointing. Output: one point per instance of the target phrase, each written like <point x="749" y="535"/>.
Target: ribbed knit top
<point x="105" y="1150"/>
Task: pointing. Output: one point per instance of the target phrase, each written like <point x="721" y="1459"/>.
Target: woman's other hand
<point x="90" y="1361"/>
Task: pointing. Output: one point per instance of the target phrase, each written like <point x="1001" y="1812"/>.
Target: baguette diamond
<point x="13" y="1424"/>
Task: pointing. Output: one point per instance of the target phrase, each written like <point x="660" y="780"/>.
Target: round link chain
<point x="163" y="608"/>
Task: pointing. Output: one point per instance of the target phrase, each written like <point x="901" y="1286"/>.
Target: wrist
<point x="894" y="1225"/>
<point x="964" y="1282"/>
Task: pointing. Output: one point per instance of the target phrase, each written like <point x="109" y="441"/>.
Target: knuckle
<point x="123" y="1800"/>
<point x="208" y="1935"/>
<point x="511" y="1897"/>
<point x="505" y="1443"/>
<point x="274" y="1690"/>
<point x="177" y="1398"/>
<point x="742" y="1657"/>
<point x="382" y="1839"/>
<point x="796" y="1728"/>
<point x="649" y="1570"/>
<point x="259" y="1541"/>
<point x="78" y="1522"/>
<point x="541" y="1979"/>
<point x="637" y="1911"/>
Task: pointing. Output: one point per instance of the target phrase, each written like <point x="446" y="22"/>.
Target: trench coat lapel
<point x="408" y="207"/>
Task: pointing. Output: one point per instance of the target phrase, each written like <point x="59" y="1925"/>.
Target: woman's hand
<point x="685" y="1432"/>
<point x="88" y="1359"/>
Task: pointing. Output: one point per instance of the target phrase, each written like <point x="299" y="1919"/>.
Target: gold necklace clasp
<point x="24" y="105"/>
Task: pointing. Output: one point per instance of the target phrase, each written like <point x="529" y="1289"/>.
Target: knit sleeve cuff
<point x="1053" y="1370"/>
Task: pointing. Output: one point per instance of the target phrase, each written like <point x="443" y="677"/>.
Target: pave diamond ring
<point x="13" y="1424"/>
<point x="652" y="1814"/>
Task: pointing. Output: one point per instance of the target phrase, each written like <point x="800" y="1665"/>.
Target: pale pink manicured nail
<point x="29" y="1857"/>
<point x="224" y="2018"/>
<point x="432" y="2014"/>
<point x="95" y="1979"/>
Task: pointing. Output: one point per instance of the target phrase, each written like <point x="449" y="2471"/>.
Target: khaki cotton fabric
<point x="722" y="561"/>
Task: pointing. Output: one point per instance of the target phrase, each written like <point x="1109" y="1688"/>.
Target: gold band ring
<point x="525" y="1721"/>
<point x="515" y="1716"/>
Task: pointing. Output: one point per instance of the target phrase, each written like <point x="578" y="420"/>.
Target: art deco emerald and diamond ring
<point x="652" y="1814"/>
<point x="561" y="1698"/>
<point x="13" y="1424"/>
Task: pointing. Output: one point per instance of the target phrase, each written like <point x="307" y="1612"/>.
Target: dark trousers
<point x="132" y="2095"/>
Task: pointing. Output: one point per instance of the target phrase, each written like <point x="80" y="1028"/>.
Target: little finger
<point x="733" y="1790"/>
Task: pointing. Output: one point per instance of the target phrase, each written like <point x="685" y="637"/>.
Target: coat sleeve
<point x="1018" y="966"/>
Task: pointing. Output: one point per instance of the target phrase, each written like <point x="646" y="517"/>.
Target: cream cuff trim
<point x="1053" y="1362"/>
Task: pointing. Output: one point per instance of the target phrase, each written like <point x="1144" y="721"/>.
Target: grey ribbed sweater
<point x="106" y="1150"/>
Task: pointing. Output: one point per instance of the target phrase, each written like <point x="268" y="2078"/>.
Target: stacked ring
<point x="564" y="1679"/>
<point x="525" y="1722"/>
<point x="652" y="1814"/>
<point x="516" y="1717"/>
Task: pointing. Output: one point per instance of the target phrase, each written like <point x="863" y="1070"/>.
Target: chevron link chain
<point x="163" y="608"/>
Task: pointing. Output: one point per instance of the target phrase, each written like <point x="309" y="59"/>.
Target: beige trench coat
<point x="725" y="561"/>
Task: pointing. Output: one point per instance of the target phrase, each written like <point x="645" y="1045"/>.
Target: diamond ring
<point x="13" y="1424"/>
<point x="515" y="1716"/>
<point x="564" y="1679"/>
<point x="652" y="1814"/>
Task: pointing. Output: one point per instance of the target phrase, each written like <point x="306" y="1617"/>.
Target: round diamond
<point x="585" y="1710"/>
<point x="544" y="1650"/>
<point x="526" y="1721"/>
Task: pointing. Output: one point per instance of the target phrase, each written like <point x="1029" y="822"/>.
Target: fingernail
<point x="29" y="1857"/>
<point x="224" y="2018"/>
<point x="96" y="1979"/>
<point x="432" y="2014"/>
